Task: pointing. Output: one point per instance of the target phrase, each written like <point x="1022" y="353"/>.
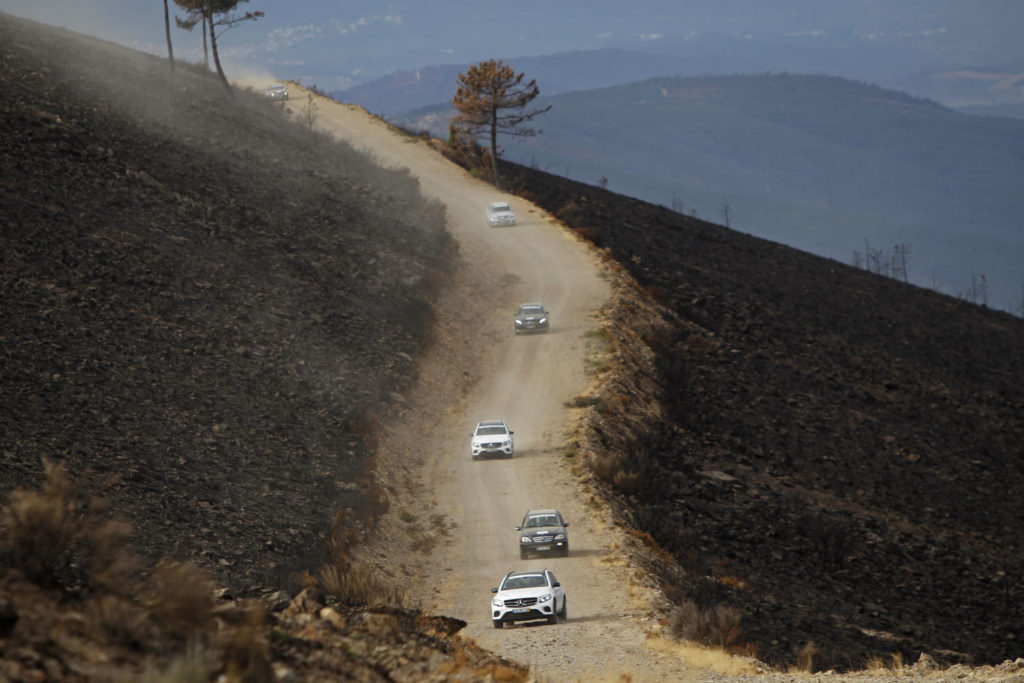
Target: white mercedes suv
<point x="528" y="596"/>
<point x="491" y="437"/>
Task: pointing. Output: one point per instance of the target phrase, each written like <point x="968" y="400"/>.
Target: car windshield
<point x="530" y="310"/>
<point x="527" y="581"/>
<point x="500" y="207"/>
<point x="489" y="431"/>
<point x="541" y="520"/>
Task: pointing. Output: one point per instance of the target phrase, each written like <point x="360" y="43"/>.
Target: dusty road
<point x="450" y="537"/>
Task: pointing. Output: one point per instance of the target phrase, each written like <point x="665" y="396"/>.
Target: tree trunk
<point x="206" y="50"/>
<point x="167" y="30"/>
<point x="494" y="148"/>
<point x="213" y="49"/>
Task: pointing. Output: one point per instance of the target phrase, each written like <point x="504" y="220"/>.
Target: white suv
<point x="491" y="437"/>
<point x="528" y="596"/>
<point x="500" y="213"/>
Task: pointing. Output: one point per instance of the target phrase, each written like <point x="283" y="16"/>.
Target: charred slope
<point x="201" y="302"/>
<point x="841" y="454"/>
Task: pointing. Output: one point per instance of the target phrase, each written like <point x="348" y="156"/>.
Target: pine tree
<point x="491" y="99"/>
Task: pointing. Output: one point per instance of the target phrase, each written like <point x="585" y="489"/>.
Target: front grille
<point x="493" y="444"/>
<point x="541" y="539"/>
<point x="521" y="602"/>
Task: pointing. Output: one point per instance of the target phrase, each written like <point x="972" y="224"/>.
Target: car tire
<point x="564" y="614"/>
<point x="476" y="457"/>
<point x="565" y="550"/>
<point x="553" y="619"/>
<point x="523" y="555"/>
<point x="497" y="624"/>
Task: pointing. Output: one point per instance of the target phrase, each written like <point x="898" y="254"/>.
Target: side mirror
<point x="566" y="524"/>
<point x="510" y="432"/>
<point x="556" y="584"/>
<point x="519" y="528"/>
<point x="494" y="590"/>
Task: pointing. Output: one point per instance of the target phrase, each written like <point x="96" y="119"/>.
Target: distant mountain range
<point x="829" y="165"/>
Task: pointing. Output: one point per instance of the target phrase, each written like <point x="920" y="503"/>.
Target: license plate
<point x="543" y="547"/>
<point x="521" y="610"/>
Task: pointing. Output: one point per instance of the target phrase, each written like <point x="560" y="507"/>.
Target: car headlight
<point x="544" y="598"/>
<point x="524" y="539"/>
<point x="559" y="537"/>
<point x="497" y="602"/>
<point x="519" y="322"/>
<point x="542" y="321"/>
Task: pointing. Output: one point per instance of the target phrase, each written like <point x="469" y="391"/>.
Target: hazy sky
<point x="360" y="39"/>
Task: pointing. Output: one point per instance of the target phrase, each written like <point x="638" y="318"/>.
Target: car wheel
<point x="565" y="609"/>
<point x="523" y="554"/>
<point x="553" y="619"/>
<point x="476" y="457"/>
<point x="565" y="550"/>
<point x="498" y="624"/>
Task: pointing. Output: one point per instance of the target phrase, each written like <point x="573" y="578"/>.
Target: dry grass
<point x="805" y="657"/>
<point x="703" y="657"/>
<point x="64" y="540"/>
<point x="61" y="538"/>
<point x="583" y="401"/>
<point x="244" y="652"/>
<point x="717" y="626"/>
<point x="462" y="667"/>
<point x="350" y="582"/>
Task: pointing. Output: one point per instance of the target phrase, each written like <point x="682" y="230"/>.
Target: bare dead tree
<point x="309" y="112"/>
<point x="677" y="204"/>
<point x="723" y="206"/>
<point x="900" y="261"/>
<point x="878" y="262"/>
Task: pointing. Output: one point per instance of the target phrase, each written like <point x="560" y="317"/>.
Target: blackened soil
<point x="843" y="457"/>
<point x="202" y="304"/>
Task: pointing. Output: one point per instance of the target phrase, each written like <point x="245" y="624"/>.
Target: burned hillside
<point x="206" y="307"/>
<point x="839" y="456"/>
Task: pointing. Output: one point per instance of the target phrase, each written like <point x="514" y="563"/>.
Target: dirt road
<point x="450" y="537"/>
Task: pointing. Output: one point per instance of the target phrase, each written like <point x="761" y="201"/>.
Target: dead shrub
<point x="569" y="213"/>
<point x="61" y="538"/>
<point x="349" y="582"/>
<point x="805" y="656"/>
<point x="582" y="401"/>
<point x="651" y="544"/>
<point x="244" y="652"/>
<point x="122" y="620"/>
<point x="605" y="465"/>
<point x="182" y="596"/>
<point x="628" y="482"/>
<point x="717" y="626"/>
<point x="360" y="584"/>
<point x="831" y="539"/>
<point x="423" y="543"/>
